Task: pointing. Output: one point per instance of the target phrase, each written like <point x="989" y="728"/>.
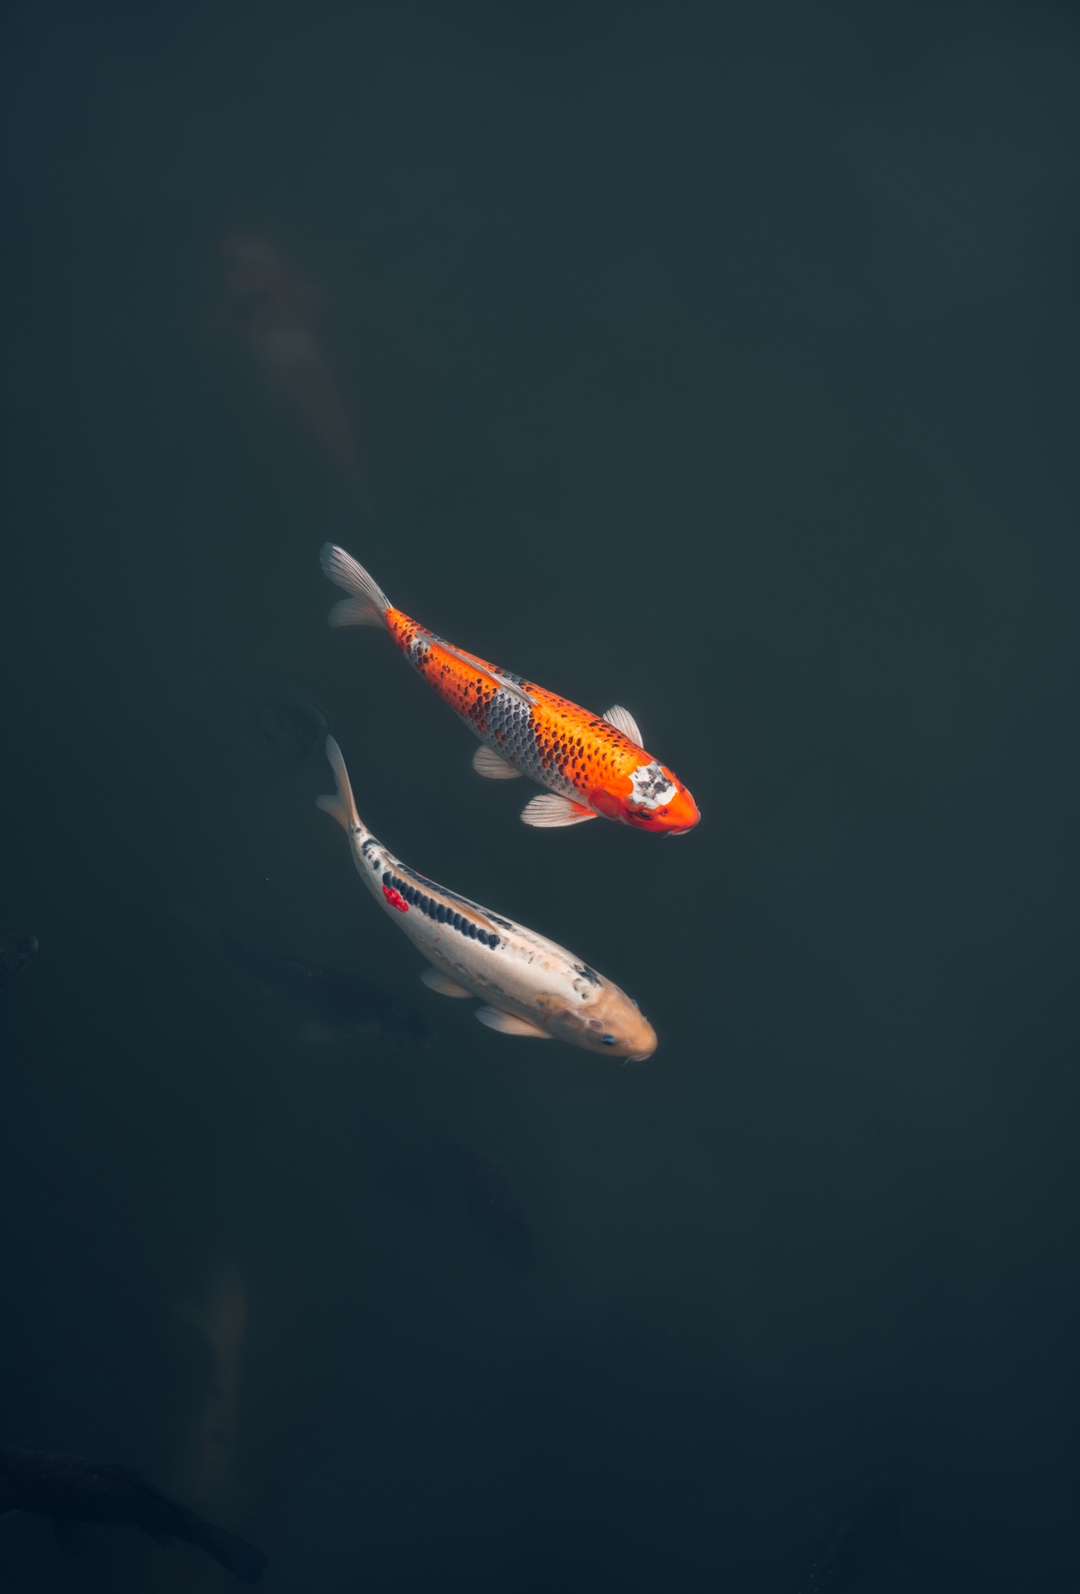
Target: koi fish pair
<point x="594" y="766"/>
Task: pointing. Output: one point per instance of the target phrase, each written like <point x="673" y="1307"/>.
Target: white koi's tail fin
<point x="341" y="807"/>
<point x="369" y="602"/>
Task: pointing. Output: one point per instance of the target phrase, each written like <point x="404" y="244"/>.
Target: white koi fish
<point x="529" y="985"/>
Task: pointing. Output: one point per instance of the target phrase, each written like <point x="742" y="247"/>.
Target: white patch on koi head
<point x="652" y="788"/>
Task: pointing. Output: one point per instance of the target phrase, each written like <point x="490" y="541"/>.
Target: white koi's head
<point x="607" y="1020"/>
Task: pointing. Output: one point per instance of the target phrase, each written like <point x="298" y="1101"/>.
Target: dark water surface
<point x="719" y="363"/>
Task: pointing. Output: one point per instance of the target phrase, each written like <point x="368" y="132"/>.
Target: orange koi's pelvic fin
<point x="551" y="812"/>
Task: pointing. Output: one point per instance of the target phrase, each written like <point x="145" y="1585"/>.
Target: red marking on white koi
<point x="395" y="899"/>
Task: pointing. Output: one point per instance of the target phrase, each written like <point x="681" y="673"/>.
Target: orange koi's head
<point x="654" y="799"/>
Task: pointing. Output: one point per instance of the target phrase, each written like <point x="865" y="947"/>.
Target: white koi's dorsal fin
<point x="550" y="812"/>
<point x="492" y="765"/>
<point x="508" y="1024"/>
<point x="368" y="604"/>
<point x="342" y="806"/>
<point x="436" y="980"/>
<point x="494" y="676"/>
<point x="624" y="721"/>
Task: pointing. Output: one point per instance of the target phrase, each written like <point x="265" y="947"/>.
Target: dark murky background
<point x="719" y="364"/>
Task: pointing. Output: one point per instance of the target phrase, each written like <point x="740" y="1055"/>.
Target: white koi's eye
<point x="607" y="1040"/>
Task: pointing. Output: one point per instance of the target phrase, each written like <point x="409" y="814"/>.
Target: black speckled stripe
<point x="438" y="912"/>
<point x="433" y="885"/>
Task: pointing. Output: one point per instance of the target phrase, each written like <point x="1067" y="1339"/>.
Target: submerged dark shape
<point x="469" y="1190"/>
<point x="68" y="1490"/>
<point x="293" y="727"/>
<point x="16" y="952"/>
<point x="873" y="1531"/>
<point x="279" y="312"/>
<point x="221" y="1320"/>
<point x="336" y="1005"/>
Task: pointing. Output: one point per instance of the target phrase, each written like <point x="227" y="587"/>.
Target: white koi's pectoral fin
<point x="509" y="1024"/>
<point x="492" y="765"/>
<point x="550" y="812"/>
<point x="436" y="980"/>
<point x="624" y="721"/>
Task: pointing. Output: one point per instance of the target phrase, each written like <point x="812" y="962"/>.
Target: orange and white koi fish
<point x="593" y="765"/>
<point x="530" y="986"/>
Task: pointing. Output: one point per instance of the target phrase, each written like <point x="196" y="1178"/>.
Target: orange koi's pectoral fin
<point x="550" y="812"/>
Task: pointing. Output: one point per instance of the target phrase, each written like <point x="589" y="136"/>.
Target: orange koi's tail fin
<point x="369" y="602"/>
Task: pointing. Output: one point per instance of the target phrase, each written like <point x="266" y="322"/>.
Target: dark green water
<point x="721" y="364"/>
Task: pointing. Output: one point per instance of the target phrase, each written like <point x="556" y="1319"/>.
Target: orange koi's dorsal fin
<point x="494" y="676"/>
